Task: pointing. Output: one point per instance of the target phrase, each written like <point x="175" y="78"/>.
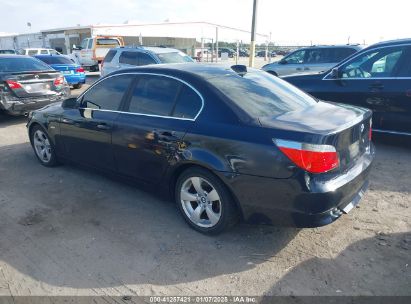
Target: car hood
<point x="321" y="118"/>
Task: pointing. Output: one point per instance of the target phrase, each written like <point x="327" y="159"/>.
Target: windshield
<point x="260" y="94"/>
<point x="107" y="41"/>
<point x="55" y="60"/>
<point x="174" y="57"/>
<point x="22" y="64"/>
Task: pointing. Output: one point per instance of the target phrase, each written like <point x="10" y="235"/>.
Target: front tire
<point x="204" y="201"/>
<point x="43" y="147"/>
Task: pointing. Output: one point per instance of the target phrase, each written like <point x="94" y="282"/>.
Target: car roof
<point x="154" y="49"/>
<point x="391" y="43"/>
<point x="38" y="49"/>
<point x="354" y="46"/>
<point x="50" y="55"/>
<point x="204" y="71"/>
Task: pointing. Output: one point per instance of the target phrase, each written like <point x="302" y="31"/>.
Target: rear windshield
<point x="107" y="41"/>
<point x="174" y="57"/>
<point x="22" y="64"/>
<point x="55" y="60"/>
<point x="260" y="94"/>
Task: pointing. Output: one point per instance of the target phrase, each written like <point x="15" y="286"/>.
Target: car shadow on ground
<point x="9" y="120"/>
<point x="70" y="227"/>
<point x="363" y="266"/>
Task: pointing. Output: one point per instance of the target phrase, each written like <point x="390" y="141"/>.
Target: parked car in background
<point x="8" y="51"/>
<point x="262" y="53"/>
<point x="37" y="51"/>
<point x="92" y="50"/>
<point x="27" y="83"/>
<point x="378" y="78"/>
<point x="310" y="60"/>
<point x="227" y="143"/>
<point x="231" y="53"/>
<point x="243" y="53"/>
<point x="72" y="72"/>
<point x="129" y="57"/>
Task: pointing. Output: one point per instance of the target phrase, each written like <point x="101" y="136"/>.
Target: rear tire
<point x="77" y="86"/>
<point x="205" y="202"/>
<point x="43" y="147"/>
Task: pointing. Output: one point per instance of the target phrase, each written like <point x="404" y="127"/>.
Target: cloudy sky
<point x="289" y="21"/>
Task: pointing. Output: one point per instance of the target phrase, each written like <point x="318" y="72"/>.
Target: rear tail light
<point x="80" y="70"/>
<point x="370" y="131"/>
<point x="310" y="157"/>
<point x="13" y="84"/>
<point x="59" y="81"/>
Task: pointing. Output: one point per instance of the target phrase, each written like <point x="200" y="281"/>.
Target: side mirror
<point x="70" y="103"/>
<point x="335" y="73"/>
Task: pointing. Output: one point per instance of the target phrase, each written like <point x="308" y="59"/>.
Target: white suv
<point x="128" y="57"/>
<point x="38" y="51"/>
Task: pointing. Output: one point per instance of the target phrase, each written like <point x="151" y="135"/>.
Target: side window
<point x="154" y="95"/>
<point x="110" y="55"/>
<point x="375" y="63"/>
<point x="32" y="52"/>
<point x="314" y="56"/>
<point x="107" y="94"/>
<point x="296" y="57"/>
<point x="90" y="44"/>
<point x="342" y="53"/>
<point x="128" y="58"/>
<point x="44" y="52"/>
<point x="188" y="103"/>
<point x="405" y="67"/>
<point x="144" y="59"/>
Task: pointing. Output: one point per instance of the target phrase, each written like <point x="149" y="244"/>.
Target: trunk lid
<point x="65" y="69"/>
<point x="343" y="126"/>
<point x="34" y="84"/>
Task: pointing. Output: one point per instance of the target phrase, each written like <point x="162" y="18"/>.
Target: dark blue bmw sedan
<point x="228" y="143"/>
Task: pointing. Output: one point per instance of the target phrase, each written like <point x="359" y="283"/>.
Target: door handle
<point x="299" y="69"/>
<point x="103" y="126"/>
<point x="166" y="135"/>
<point x="306" y="69"/>
<point x="67" y="121"/>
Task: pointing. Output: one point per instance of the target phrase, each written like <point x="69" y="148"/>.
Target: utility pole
<point x="28" y="35"/>
<point x="253" y="30"/>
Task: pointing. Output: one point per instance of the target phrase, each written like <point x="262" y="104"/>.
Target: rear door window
<point x="107" y="94"/>
<point x="135" y="58"/>
<point x="154" y="95"/>
<point x="296" y="58"/>
<point x="32" y="52"/>
<point x="342" y="53"/>
<point x="44" y="52"/>
<point x="188" y="103"/>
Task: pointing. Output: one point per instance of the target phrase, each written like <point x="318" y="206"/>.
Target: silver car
<point x="129" y="57"/>
<point x="311" y="60"/>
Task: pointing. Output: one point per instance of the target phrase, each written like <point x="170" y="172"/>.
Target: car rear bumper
<point x="20" y="106"/>
<point x="75" y="79"/>
<point x="304" y="200"/>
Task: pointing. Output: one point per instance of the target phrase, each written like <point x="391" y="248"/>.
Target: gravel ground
<point x="69" y="231"/>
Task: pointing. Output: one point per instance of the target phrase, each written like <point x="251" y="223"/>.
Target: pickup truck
<point x="92" y="50"/>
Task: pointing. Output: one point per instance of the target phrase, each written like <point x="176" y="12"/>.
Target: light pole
<point x="253" y="30"/>
<point x="28" y="36"/>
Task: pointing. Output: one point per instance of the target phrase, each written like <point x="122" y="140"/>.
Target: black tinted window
<point x="110" y="55"/>
<point x="155" y="95"/>
<point x="188" y="103"/>
<point x="107" y="94"/>
<point x="22" y="64"/>
<point x="135" y="58"/>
